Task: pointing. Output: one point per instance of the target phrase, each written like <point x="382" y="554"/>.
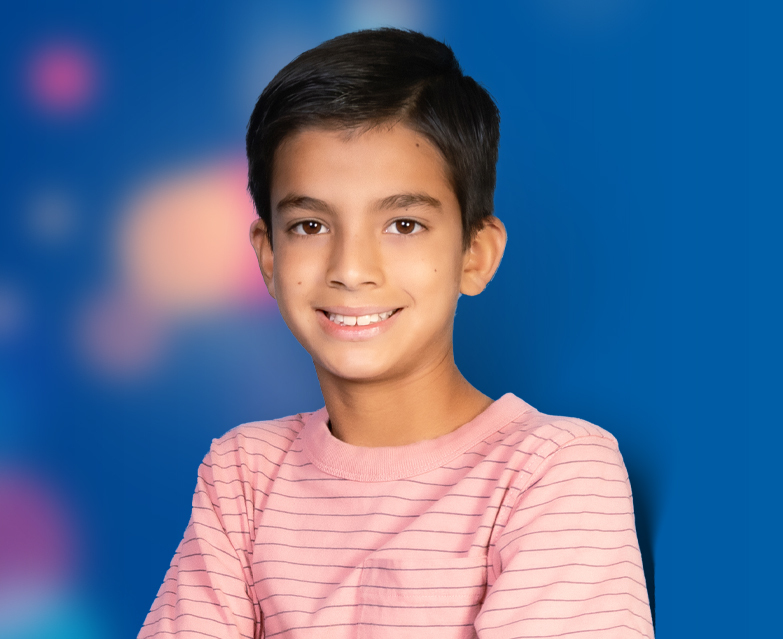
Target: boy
<point x="412" y="505"/>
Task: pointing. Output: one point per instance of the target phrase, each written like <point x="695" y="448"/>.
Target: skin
<point x="368" y="220"/>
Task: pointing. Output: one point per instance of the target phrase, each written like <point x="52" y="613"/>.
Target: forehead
<point x="349" y="166"/>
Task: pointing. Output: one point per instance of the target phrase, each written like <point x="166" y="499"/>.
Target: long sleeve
<point x="207" y="590"/>
<point x="567" y="561"/>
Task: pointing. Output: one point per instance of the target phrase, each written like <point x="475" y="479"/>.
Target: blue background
<point x="622" y="299"/>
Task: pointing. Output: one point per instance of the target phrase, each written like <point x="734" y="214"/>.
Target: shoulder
<point x="533" y="428"/>
<point x="258" y="443"/>
<point x="540" y="441"/>
<point x="562" y="430"/>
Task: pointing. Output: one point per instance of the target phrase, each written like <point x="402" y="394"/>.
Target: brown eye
<point x="404" y="227"/>
<point x="309" y="227"/>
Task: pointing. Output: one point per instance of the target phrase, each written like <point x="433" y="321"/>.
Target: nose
<point x="355" y="261"/>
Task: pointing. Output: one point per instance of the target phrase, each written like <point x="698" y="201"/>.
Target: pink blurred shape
<point x="184" y="251"/>
<point x="62" y="77"/>
<point x="184" y="243"/>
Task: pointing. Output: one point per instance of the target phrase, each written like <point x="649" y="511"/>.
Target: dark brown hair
<point x="367" y="78"/>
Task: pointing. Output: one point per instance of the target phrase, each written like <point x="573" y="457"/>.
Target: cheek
<point x="293" y="275"/>
<point x="431" y="282"/>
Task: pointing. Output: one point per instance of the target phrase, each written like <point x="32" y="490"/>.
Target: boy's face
<point x="368" y="261"/>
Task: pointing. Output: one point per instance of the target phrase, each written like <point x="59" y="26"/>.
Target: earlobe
<point x="483" y="257"/>
<point x="263" y="248"/>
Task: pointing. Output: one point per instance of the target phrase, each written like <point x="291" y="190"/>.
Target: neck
<point x="400" y="411"/>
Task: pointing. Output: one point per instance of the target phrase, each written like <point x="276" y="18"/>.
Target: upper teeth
<point x="360" y="320"/>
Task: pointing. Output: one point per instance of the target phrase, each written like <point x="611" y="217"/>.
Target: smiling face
<point x="368" y="260"/>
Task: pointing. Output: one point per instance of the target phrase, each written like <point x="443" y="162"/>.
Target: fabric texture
<point x="517" y="524"/>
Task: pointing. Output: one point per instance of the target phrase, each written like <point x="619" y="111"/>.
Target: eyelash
<point x="417" y="227"/>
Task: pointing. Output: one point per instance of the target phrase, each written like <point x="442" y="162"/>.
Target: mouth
<point x="359" y="320"/>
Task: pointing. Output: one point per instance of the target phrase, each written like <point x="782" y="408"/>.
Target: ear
<point x="266" y="258"/>
<point x="483" y="257"/>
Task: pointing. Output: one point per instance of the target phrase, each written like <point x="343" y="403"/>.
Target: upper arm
<point x="207" y="591"/>
<point x="568" y="557"/>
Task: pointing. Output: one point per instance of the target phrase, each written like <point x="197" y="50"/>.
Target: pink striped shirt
<point x="517" y="524"/>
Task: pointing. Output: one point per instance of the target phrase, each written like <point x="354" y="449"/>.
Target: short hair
<point x="375" y="76"/>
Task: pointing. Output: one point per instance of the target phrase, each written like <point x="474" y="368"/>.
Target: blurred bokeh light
<point x="183" y="242"/>
<point x="36" y="536"/>
<point x="39" y="564"/>
<point x="12" y="312"/>
<point x="62" y="77"/>
<point x="183" y="251"/>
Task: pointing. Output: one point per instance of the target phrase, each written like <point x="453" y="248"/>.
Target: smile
<point x="358" y="320"/>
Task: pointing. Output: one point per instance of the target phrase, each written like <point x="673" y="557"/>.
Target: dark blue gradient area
<point x="133" y="328"/>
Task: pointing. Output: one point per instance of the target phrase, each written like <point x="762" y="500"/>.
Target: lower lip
<point x="356" y="333"/>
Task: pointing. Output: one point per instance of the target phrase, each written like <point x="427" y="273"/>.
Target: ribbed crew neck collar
<point x="359" y="463"/>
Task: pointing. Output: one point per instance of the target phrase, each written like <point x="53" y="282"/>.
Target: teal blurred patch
<point x="68" y="618"/>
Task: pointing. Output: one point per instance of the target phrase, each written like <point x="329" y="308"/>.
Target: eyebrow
<point x="396" y="201"/>
<point x="406" y="200"/>
<point x="293" y="201"/>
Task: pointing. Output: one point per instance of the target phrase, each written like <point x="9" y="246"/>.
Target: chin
<point x="356" y="369"/>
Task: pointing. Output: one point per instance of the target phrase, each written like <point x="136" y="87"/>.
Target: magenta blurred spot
<point x="36" y="539"/>
<point x="62" y="78"/>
